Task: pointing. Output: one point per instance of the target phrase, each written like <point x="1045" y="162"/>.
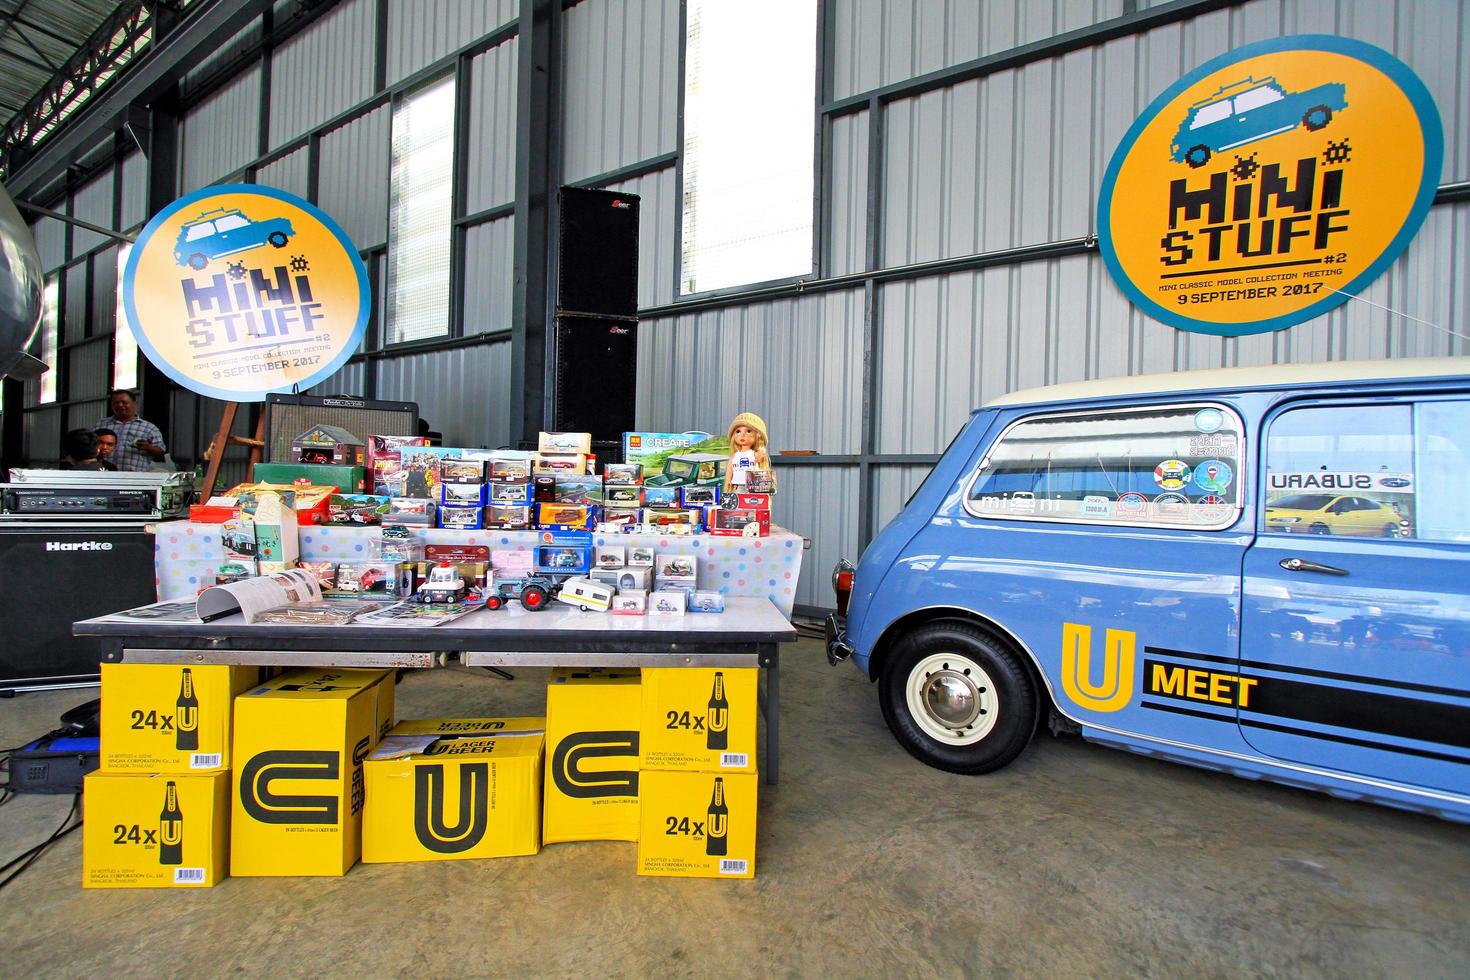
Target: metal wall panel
<point x="620" y="85"/>
<point x="92" y="202"/>
<point x="134" y="190"/>
<point x="879" y="42"/>
<point x="795" y="362"/>
<point x="355" y="163"/>
<point x="489" y="275"/>
<point x="50" y="238"/>
<point x="218" y="136"/>
<point x="288" y="173"/>
<point x="42" y="442"/>
<point x="420" y="32"/>
<point x="658" y="216"/>
<point x="104" y="291"/>
<point x="490" y="177"/>
<point x="847" y="196"/>
<point x="89" y="375"/>
<point x="243" y="39"/>
<point x="810" y="504"/>
<point x="347" y="381"/>
<point x="75" y="304"/>
<point x="463" y="392"/>
<point x="323" y="71"/>
<point x="86" y="414"/>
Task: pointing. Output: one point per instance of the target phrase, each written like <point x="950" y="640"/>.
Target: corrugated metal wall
<point x="134" y="190"/>
<point x="92" y="203"/>
<point x="489" y="276"/>
<point x="289" y="173"/>
<point x="421" y="32"/>
<point x="356" y="159"/>
<point x="657" y="235"/>
<point x="620" y="85"/>
<point x="218" y="136"/>
<point x="451" y="388"/>
<point x="323" y="71"/>
<point x="490" y="178"/>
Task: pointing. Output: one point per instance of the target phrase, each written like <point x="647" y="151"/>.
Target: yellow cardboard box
<point x="450" y="797"/>
<point x="697" y="824"/>
<point x="300" y="743"/>
<point x="591" y="755"/>
<point x="698" y="719"/>
<point x="167" y="718"/>
<point x="156" y="830"/>
<point x="468" y="726"/>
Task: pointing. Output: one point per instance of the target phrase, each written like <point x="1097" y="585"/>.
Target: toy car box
<point x="611" y="556"/>
<point x="666" y="603"/>
<point x="633" y="579"/>
<point x="648" y="449"/>
<point x="510" y="493"/>
<point x="388" y="474"/>
<point x="633" y="603"/>
<point x="660" y="496"/>
<point x="739" y="522"/>
<point x="622" y="474"/>
<point x="347" y="479"/>
<point x="413" y="511"/>
<point x="607" y="576"/>
<point x="662" y="516"/>
<point x="387" y="447"/>
<point x="706" y="602"/>
<point x="510" y="465"/>
<point x="367" y="580"/>
<point x="579" y="490"/>
<point x="620" y="518"/>
<point x="560" y="464"/>
<point x="566" y="517"/>
<point x="749" y="501"/>
<point x="565" y="442"/>
<point x="356" y="509"/>
<point x="760" y="481"/>
<point x="470" y="518"/>
<point x="462" y="494"/>
<point x="623" y="495"/>
<point x="462" y="471"/>
<point x="706" y="496"/>
<point x="510" y="518"/>
<point x="564" y="554"/>
<point x="399" y="543"/>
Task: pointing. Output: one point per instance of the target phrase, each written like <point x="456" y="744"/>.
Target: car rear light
<point x="842" y="584"/>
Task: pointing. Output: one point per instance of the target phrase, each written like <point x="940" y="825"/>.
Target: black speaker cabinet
<point x="49" y="578"/>
<point x="598" y="269"/>
<point x="596" y="376"/>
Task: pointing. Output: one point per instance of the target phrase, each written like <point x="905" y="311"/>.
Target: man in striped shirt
<point x="139" y="443"/>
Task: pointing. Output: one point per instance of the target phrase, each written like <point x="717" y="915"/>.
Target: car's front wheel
<point x="277" y="239"/>
<point x="1317" y="117"/>
<point x="198" y="261"/>
<point x="1197" y="156"/>
<point x="958" y="699"/>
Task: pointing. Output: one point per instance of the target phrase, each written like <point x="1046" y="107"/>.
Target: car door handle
<point x="1302" y="565"/>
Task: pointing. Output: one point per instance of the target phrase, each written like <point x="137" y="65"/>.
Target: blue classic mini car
<point x="225" y="231"/>
<point x="1248" y="111"/>
<point x="1099" y="556"/>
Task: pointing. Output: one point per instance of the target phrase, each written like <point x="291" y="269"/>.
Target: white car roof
<point x="1268" y="376"/>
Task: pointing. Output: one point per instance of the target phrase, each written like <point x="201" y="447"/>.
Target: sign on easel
<point x="240" y="290"/>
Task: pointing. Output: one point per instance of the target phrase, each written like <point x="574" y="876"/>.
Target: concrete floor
<point x="1076" y="860"/>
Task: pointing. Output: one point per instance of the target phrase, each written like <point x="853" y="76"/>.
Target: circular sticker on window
<point x="1171" y="507"/>
<point x="1213" y="475"/>
<point x="1132" y="504"/>
<point x="1211" y="509"/>
<point x="1172" y="474"/>
<point x="1209" y="420"/>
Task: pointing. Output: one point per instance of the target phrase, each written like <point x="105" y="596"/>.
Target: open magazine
<point x="252" y="596"/>
<point x="417" y="614"/>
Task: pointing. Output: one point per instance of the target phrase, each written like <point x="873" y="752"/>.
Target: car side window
<point x="1212" y="114"/>
<point x="1155" y="466"/>
<point x="1442" y="454"/>
<point x="1343" y="470"/>
<point x="199" y="231"/>
<point x="231" y="222"/>
<point x="1255" y="98"/>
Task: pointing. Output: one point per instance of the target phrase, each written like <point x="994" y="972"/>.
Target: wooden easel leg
<point x="216" y="452"/>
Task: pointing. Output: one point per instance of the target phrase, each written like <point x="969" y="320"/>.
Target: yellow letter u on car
<point x="1116" y="686"/>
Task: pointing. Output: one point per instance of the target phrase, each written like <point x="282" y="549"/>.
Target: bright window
<point x="749" y="105"/>
<point x="50" y="329"/>
<point x="124" y="345"/>
<point x="421" y="206"/>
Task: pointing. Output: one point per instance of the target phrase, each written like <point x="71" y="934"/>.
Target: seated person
<point x="79" y="451"/>
<point x="106" y="443"/>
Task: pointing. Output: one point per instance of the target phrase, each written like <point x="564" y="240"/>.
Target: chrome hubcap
<point x="952" y="699"/>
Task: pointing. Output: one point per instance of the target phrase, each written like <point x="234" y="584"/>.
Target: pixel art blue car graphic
<point x="225" y="231"/>
<point x="1252" y="110"/>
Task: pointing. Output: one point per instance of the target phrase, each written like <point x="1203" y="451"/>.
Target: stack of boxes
<point x="665" y="758"/>
<point x="158" y="810"/>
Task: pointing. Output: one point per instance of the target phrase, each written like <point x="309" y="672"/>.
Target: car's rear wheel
<point x="1197" y="156"/>
<point x="1317" y="117"/>
<point x="958" y="699"/>
<point x="198" y="261"/>
<point x="277" y="238"/>
<point x="1319" y="528"/>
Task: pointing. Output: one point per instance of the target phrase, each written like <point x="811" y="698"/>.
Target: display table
<point x="746" y="634"/>
<point x="187" y="555"/>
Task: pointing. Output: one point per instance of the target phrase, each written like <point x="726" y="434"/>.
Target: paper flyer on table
<point x="418" y="614"/>
<point x="253" y="596"/>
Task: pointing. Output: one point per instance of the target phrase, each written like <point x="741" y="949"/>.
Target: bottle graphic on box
<point x="171" y="827"/>
<point x="186" y="718"/>
<point x="717" y="720"/>
<point x="717" y="821"/>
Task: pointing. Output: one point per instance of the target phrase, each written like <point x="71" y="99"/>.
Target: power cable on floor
<point x="33" y="854"/>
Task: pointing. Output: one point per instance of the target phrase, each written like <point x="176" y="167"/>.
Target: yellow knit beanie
<point x="750" y="420"/>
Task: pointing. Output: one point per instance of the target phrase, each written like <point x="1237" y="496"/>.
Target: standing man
<point x="139" y="443"/>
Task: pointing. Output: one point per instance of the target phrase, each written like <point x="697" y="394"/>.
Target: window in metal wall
<point x="420" y="218"/>
<point x="124" y="345"/>
<point x="50" y="331"/>
<point x="749" y="156"/>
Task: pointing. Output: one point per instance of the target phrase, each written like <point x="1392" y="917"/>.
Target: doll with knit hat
<point x="747" y="450"/>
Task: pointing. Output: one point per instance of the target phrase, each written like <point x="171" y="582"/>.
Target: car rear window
<point x="1156" y="466"/>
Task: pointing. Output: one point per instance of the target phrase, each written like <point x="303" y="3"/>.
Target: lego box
<point x="591" y="756"/>
<point x="453" y="797"/>
<point x="167" y="718"/>
<point x="300" y="744"/>
<point x="698" y="719"/>
<point x="156" y="830"/>
<point x="697" y="824"/>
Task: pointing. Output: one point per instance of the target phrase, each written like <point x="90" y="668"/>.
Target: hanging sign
<point x="1270" y="183"/>
<point x="239" y="290"/>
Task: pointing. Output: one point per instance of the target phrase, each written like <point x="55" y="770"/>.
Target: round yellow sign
<point x="239" y="290"/>
<point x="1270" y="184"/>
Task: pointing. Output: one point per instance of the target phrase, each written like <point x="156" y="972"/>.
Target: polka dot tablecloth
<point x="186" y="555"/>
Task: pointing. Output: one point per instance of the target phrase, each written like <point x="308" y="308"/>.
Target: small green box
<point x="347" y="479"/>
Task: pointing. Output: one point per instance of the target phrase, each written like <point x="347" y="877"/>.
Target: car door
<point x="1355" y="650"/>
